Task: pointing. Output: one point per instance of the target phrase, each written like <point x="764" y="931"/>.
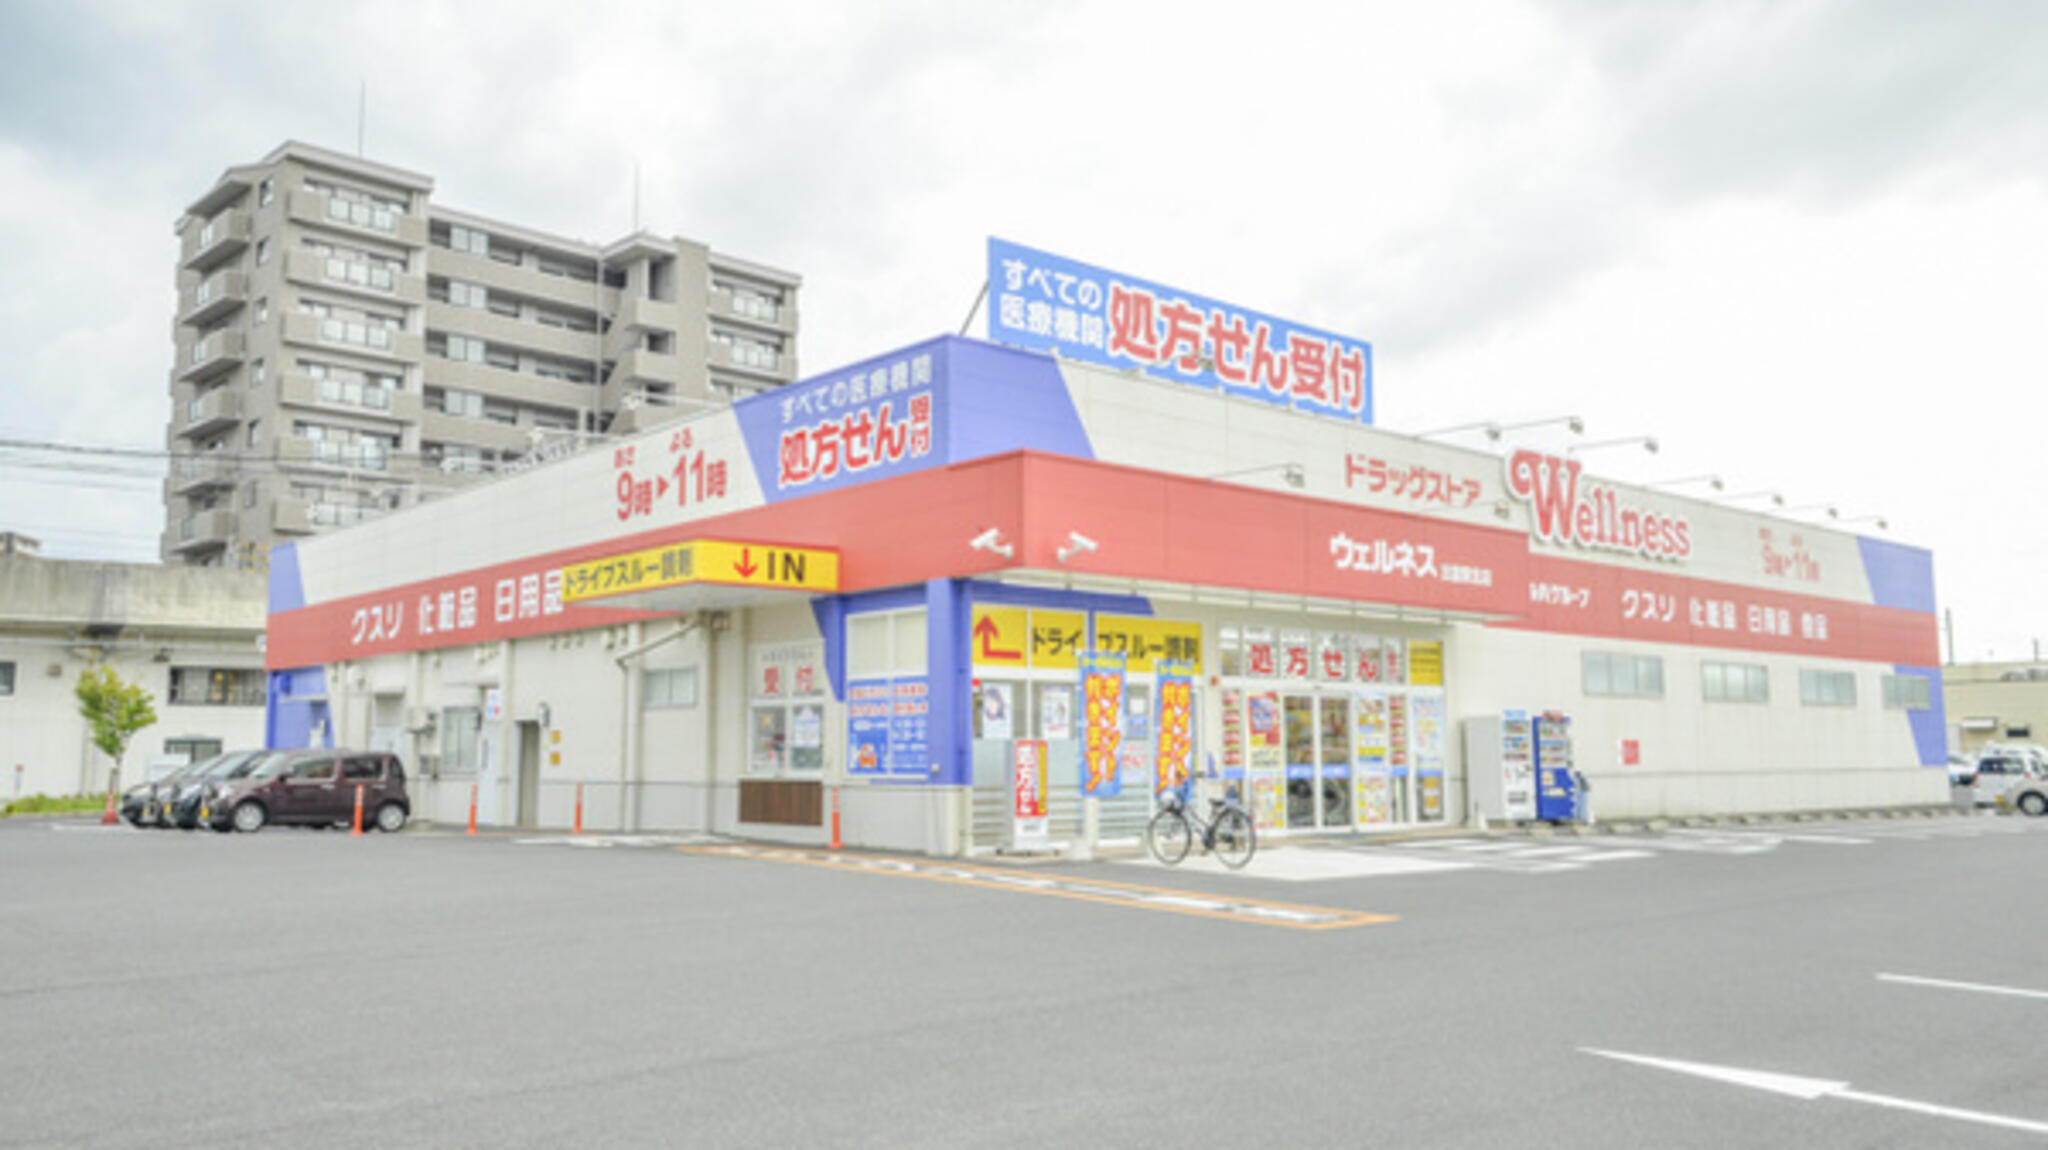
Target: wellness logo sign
<point x="1568" y="508"/>
<point x="1043" y="301"/>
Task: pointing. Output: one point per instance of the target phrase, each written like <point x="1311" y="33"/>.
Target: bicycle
<point x="1228" y="833"/>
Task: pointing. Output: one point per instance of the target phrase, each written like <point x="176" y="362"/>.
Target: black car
<point x="183" y="808"/>
<point x="314" y="788"/>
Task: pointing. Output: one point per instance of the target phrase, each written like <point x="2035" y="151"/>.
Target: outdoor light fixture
<point x="1076" y="544"/>
<point x="991" y="541"/>
<point x="1775" y="498"/>
<point x="1491" y="428"/>
<point x="1649" y="443"/>
<point x="1713" y="481"/>
<point x="1294" y="474"/>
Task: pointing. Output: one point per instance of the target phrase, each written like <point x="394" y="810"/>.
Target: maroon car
<point x="313" y="788"/>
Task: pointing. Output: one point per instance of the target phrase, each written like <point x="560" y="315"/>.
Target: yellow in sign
<point x="1000" y="636"/>
<point x="1144" y="642"/>
<point x="767" y="565"/>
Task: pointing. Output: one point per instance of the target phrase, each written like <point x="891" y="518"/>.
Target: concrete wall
<point x="57" y="618"/>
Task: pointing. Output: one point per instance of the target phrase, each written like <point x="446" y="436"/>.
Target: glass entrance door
<point x="1333" y="743"/>
<point x="1298" y="719"/>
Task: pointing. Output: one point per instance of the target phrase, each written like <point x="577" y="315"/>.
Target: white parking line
<point x="1977" y="987"/>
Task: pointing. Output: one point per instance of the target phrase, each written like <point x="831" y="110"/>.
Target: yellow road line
<point x="1200" y="904"/>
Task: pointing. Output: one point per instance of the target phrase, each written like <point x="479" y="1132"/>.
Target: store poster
<point x="1268" y="759"/>
<point x="1056" y="714"/>
<point x="1102" y="691"/>
<point x="869" y="703"/>
<point x="998" y="708"/>
<point x="1176" y="744"/>
<point x="888" y="727"/>
<point x="1029" y="823"/>
<point x="1375" y="802"/>
<point x="806" y="727"/>
<point x="1426" y="713"/>
<point x="1233" y="732"/>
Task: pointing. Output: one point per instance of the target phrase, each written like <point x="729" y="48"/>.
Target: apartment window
<point x="265" y="192"/>
<point x="754" y="303"/>
<point x="499" y="357"/>
<point x="565" y="320"/>
<point x="249" y="495"/>
<point x="568" y="372"/>
<point x="360" y="269"/>
<point x="263" y="311"/>
<point x="359" y="208"/>
<point x="256" y="373"/>
<point x="217" y="686"/>
<point x="469" y="240"/>
<point x="1622" y="676"/>
<point x="747" y="352"/>
<point x="262" y="252"/>
<point x="504" y="413"/>
<point x="464" y="294"/>
<point x="549" y="265"/>
<point x="1908" y="692"/>
<point x="465" y="403"/>
<point x="6" y="678"/>
<point x="459" y="458"/>
<point x="670" y="688"/>
<point x="1734" y="683"/>
<point x="255" y="432"/>
<point x="502" y="304"/>
<point x="1827" y="688"/>
<point x="467" y="349"/>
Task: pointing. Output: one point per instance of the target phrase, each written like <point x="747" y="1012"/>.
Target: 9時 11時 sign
<point x="1080" y="311"/>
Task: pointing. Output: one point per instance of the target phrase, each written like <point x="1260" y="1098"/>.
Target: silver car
<point x="1999" y="772"/>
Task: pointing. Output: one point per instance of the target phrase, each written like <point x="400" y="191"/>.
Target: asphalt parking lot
<point x="1855" y="983"/>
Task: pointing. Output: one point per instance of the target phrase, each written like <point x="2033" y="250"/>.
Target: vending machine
<point x="1557" y="784"/>
<point x="1500" y="765"/>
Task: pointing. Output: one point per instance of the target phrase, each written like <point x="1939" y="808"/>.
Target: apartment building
<point x="346" y="346"/>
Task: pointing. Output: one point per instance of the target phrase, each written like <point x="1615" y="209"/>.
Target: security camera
<point x="1075" y="545"/>
<point x="991" y="541"/>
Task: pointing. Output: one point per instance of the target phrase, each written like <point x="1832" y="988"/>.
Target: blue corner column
<point x="948" y="616"/>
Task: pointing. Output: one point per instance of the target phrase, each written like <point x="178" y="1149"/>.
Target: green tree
<point x="116" y="710"/>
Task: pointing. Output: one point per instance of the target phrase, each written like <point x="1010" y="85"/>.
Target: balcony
<point x="769" y="366"/>
<point x="212" y="411"/>
<point x="213" y="297"/>
<point x="639" y="313"/>
<point x="308" y="207"/>
<point x="527" y="281"/>
<point x="353" y="398"/>
<point x="512" y="334"/>
<point x="203" y="473"/>
<point x="383" y="343"/>
<point x="377" y="285"/>
<point x="218" y="353"/>
<point x="217" y="239"/>
<point x="291" y="516"/>
<point x="779" y="318"/>
<point x="203" y="530"/>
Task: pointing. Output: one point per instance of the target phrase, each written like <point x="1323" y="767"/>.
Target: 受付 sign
<point x="1080" y="311"/>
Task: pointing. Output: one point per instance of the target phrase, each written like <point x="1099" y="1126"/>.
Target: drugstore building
<point x="1155" y="532"/>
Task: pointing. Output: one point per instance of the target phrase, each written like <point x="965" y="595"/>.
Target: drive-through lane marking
<point x="1197" y="903"/>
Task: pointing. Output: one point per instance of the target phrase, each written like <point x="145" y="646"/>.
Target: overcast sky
<point x="1805" y="245"/>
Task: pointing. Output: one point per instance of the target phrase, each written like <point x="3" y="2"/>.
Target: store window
<point x="675" y="687"/>
<point x="459" y="728"/>
<point x="1908" y="692"/>
<point x="6" y="678"/>
<point x="1734" y="683"/>
<point x="888" y="686"/>
<point x="217" y="686"/>
<point x="194" y="750"/>
<point x="786" y="709"/>
<point x="1827" y="688"/>
<point x="1607" y="673"/>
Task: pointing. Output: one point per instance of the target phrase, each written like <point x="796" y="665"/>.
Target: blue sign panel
<point x="873" y="420"/>
<point x="888" y="727"/>
<point x="1080" y="311"/>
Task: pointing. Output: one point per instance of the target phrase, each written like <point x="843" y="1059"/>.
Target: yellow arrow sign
<point x="720" y="561"/>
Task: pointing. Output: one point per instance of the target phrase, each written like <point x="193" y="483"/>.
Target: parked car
<point x="180" y="806"/>
<point x="1962" y="769"/>
<point x="2028" y="796"/>
<point x="312" y="788"/>
<point x="1999" y="771"/>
